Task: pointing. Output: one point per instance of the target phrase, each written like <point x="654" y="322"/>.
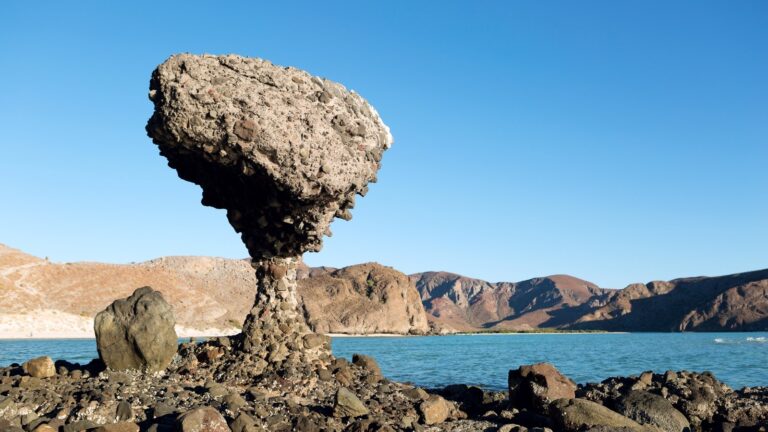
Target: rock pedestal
<point x="284" y="153"/>
<point x="274" y="330"/>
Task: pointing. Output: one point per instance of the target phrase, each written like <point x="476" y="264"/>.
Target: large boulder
<point x="41" y="367"/>
<point x="434" y="410"/>
<point x="347" y="404"/>
<point x="205" y="419"/>
<point x="648" y="408"/>
<point x="137" y="332"/>
<point x="571" y="415"/>
<point x="534" y="386"/>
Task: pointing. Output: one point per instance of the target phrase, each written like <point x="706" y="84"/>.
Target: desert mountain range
<point x="39" y="298"/>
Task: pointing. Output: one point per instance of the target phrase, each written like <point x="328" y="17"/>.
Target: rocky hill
<point x="737" y="302"/>
<point x="39" y="298"/>
<point x="456" y="302"/>
<point x="212" y="295"/>
<point x="366" y="298"/>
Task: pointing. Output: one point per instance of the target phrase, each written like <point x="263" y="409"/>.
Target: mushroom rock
<point x="283" y="152"/>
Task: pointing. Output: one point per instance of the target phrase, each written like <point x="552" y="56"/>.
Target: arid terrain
<point x="40" y="298"/>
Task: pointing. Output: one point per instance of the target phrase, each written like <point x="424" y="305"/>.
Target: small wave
<point x="748" y="340"/>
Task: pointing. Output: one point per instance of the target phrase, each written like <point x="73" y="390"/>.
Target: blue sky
<point x="615" y="141"/>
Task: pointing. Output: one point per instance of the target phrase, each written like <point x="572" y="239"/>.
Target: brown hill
<point x="365" y="298"/>
<point x="209" y="295"/>
<point x="462" y="303"/>
<point x="737" y="302"/>
<point x="212" y="295"/>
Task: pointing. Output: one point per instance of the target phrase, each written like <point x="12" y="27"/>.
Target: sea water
<point x="738" y="359"/>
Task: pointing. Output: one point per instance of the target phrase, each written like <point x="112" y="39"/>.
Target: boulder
<point x="571" y="415"/>
<point x="40" y="367"/>
<point x="534" y="386"/>
<point x="346" y="404"/>
<point x="204" y="419"/>
<point x="434" y="410"/>
<point x="368" y="363"/>
<point x="137" y="332"/>
<point x="648" y="408"/>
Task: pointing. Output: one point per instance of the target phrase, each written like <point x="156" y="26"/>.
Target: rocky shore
<point x="211" y="386"/>
<point x="284" y="153"/>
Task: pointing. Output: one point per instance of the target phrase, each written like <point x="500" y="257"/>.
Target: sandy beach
<point x="53" y="324"/>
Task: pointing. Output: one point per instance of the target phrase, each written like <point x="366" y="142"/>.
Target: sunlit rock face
<point x="282" y="151"/>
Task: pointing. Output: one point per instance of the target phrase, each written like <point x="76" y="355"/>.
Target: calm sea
<point x="738" y="359"/>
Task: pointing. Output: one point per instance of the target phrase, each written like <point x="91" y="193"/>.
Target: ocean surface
<point x="738" y="359"/>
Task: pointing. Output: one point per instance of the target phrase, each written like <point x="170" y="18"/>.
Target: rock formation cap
<point x="284" y="152"/>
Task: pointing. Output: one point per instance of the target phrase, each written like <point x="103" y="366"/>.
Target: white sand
<point x="53" y="324"/>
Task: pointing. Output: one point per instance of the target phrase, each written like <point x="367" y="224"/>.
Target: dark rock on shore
<point x="535" y="386"/>
<point x="706" y="403"/>
<point x="41" y="367"/>
<point x="137" y="332"/>
<point x="648" y="408"/>
<point x="229" y="391"/>
<point x="572" y="415"/>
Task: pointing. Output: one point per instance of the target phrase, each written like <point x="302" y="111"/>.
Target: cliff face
<point x="365" y="298"/>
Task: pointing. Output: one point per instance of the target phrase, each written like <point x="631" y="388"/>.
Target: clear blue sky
<point x="615" y="141"/>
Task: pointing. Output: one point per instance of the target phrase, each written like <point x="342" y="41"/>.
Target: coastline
<point x="46" y="324"/>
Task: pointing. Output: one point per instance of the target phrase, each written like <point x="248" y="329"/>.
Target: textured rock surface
<point x="137" y="332"/>
<point x="573" y="415"/>
<point x="706" y="403"/>
<point x="204" y="419"/>
<point x="304" y="399"/>
<point x="648" y="408"/>
<point x="347" y="404"/>
<point x="434" y="410"/>
<point x="534" y="386"/>
<point x="41" y="367"/>
<point x="365" y="298"/>
<point x="284" y="153"/>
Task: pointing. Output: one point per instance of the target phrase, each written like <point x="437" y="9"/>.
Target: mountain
<point x="737" y="302"/>
<point x="209" y="295"/>
<point x="212" y="295"/>
<point x="461" y="303"/>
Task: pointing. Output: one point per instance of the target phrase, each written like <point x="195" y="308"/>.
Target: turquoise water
<point x="738" y="359"/>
